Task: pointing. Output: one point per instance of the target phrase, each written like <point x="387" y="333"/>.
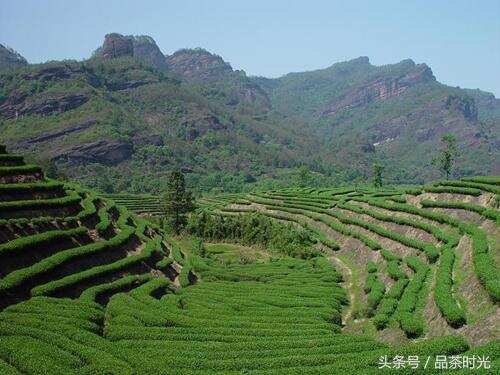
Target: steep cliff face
<point x="25" y="94"/>
<point x="450" y="114"/>
<point x="199" y="65"/>
<point x="10" y="58"/>
<point x="346" y="85"/>
<point x="116" y="45"/>
<point x="395" y="112"/>
<point x="142" y="46"/>
<point x="104" y="151"/>
<point x="202" y="67"/>
<point x="20" y="105"/>
<point x="146" y="48"/>
<point x="382" y="88"/>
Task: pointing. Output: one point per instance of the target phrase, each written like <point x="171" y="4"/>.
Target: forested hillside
<point x="122" y="119"/>
<point x="394" y="113"/>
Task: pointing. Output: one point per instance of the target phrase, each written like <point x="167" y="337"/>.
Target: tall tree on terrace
<point x="377" y="174"/>
<point x="447" y="156"/>
<point x="178" y="202"/>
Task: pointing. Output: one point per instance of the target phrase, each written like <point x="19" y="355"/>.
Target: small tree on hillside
<point x="177" y="202"/>
<point x="377" y="174"/>
<point x="304" y="176"/>
<point x="447" y="156"/>
<point x="51" y="170"/>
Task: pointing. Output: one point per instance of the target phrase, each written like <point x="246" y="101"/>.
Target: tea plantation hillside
<point x="141" y="204"/>
<point x="87" y="287"/>
<point x="417" y="262"/>
<point x="60" y="240"/>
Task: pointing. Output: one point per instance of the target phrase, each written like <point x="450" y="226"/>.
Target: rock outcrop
<point x="150" y="139"/>
<point x="198" y="65"/>
<point x="116" y="45"/>
<point x="146" y="48"/>
<point x="17" y="104"/>
<point x="126" y="85"/>
<point x="107" y="152"/>
<point x="47" y="137"/>
<point x="56" y="72"/>
<point x="382" y="88"/>
<point x="200" y="126"/>
<point x="465" y="105"/>
<point x="456" y="114"/>
<point x="10" y="58"/>
<point x="142" y="46"/>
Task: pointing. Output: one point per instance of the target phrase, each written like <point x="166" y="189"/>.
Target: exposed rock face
<point x="10" y="58"/>
<point x="17" y="105"/>
<point x="487" y="102"/>
<point x="117" y="86"/>
<point x="57" y="134"/>
<point x="14" y="102"/>
<point x="380" y="89"/>
<point x="198" y="65"/>
<point x="104" y="151"/>
<point x="116" y="45"/>
<point x="251" y="93"/>
<point x="198" y="127"/>
<point x="53" y="73"/>
<point x="462" y="104"/>
<point x="153" y="139"/>
<point x="143" y="46"/>
<point x="449" y="114"/>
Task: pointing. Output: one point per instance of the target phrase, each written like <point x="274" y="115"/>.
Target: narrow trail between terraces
<point x="348" y="284"/>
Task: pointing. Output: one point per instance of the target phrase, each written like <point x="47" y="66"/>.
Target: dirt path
<point x="348" y="285"/>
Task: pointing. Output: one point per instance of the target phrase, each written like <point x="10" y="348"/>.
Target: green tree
<point x="304" y="176"/>
<point x="447" y="156"/>
<point x="178" y="202"/>
<point x="51" y="170"/>
<point x="377" y="174"/>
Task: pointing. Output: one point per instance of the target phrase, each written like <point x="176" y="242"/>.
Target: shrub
<point x="412" y="326"/>
<point x="371" y="267"/>
<point x="394" y="271"/>
<point x="443" y="294"/>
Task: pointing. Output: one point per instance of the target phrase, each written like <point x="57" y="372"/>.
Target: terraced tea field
<point x="428" y="256"/>
<point x="88" y="287"/>
<point x="140" y="204"/>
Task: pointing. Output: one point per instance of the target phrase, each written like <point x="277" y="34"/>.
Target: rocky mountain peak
<point x="364" y="60"/>
<point x="146" y="48"/>
<point x="198" y="65"/>
<point x="10" y="58"/>
<point x="116" y="45"/>
<point x="141" y="46"/>
<point x="383" y="87"/>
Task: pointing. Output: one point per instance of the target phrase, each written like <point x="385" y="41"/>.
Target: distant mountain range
<point x="126" y="116"/>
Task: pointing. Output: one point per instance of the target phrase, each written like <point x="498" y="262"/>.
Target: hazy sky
<point x="460" y="40"/>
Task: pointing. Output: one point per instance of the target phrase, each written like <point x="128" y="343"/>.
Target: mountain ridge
<point x="192" y="110"/>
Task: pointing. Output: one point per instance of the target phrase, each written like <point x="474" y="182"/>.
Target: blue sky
<point x="459" y="40"/>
